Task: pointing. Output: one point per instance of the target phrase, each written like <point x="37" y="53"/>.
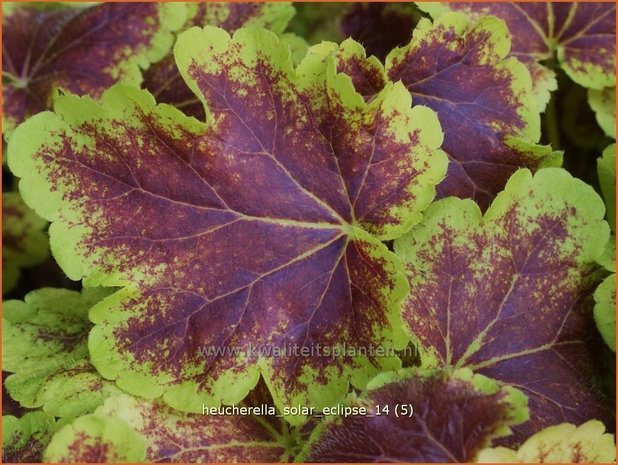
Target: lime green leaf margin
<point x="565" y="443"/>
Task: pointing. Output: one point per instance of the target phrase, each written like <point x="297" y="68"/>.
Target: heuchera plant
<point x="359" y="211"/>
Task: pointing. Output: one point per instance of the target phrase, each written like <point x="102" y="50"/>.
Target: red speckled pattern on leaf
<point x="80" y="50"/>
<point x="253" y="231"/>
<point x="511" y="296"/>
<point x="480" y="99"/>
<point x="452" y="421"/>
<point x="163" y="79"/>
<point x="582" y="34"/>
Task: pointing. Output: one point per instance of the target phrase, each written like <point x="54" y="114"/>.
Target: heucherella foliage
<point x="508" y="293"/>
<point x="605" y="310"/>
<point x="603" y="102"/>
<point x="460" y="69"/>
<point x="253" y="223"/>
<point x="171" y="436"/>
<point x="46" y="337"/>
<point x="163" y="79"/>
<point x="101" y="440"/>
<point x="25" y="438"/>
<point x="459" y="412"/>
<point x="605" y="295"/>
<point x="210" y="228"/>
<point x="24" y="241"/>
<point x="80" y="50"/>
<point x="566" y="443"/>
<point x="580" y="36"/>
<point x="606" y="169"/>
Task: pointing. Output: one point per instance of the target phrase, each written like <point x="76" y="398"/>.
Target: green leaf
<point x="606" y="168"/>
<point x="564" y="443"/>
<point x="80" y="50"/>
<point x="508" y="294"/>
<point x="605" y="310"/>
<point x="23" y="439"/>
<point x="603" y="102"/>
<point x="24" y="241"/>
<point x="211" y="228"/>
<point x="455" y="415"/>
<point x="582" y="37"/>
<point x="96" y="439"/>
<point x="44" y="341"/>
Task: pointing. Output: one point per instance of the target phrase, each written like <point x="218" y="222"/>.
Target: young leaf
<point x="96" y="439"/>
<point x="245" y="233"/>
<point x="23" y="439"/>
<point x="508" y="294"/>
<point x="44" y="341"/>
<point x="83" y="51"/>
<point x="603" y="102"/>
<point x="24" y="242"/>
<point x="456" y="414"/>
<point x="564" y="443"/>
<point x="459" y="69"/>
<point x="163" y="79"/>
<point x="172" y="436"/>
<point x="582" y="37"/>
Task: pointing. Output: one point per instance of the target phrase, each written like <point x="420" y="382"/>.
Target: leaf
<point x="458" y="69"/>
<point x="172" y="436"/>
<point x="24" y="241"/>
<point x="508" y="294"/>
<point x="96" y="439"/>
<point x="83" y="51"/>
<point x="605" y="295"/>
<point x="23" y="439"/>
<point x="581" y="37"/>
<point x="380" y="27"/>
<point x="210" y="229"/>
<point x="366" y="73"/>
<point x="606" y="169"/>
<point x="45" y="347"/>
<point x="603" y="102"/>
<point x="565" y="443"/>
<point x="605" y="310"/>
<point x="163" y="79"/>
<point x="456" y="414"/>
<point x="483" y="99"/>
